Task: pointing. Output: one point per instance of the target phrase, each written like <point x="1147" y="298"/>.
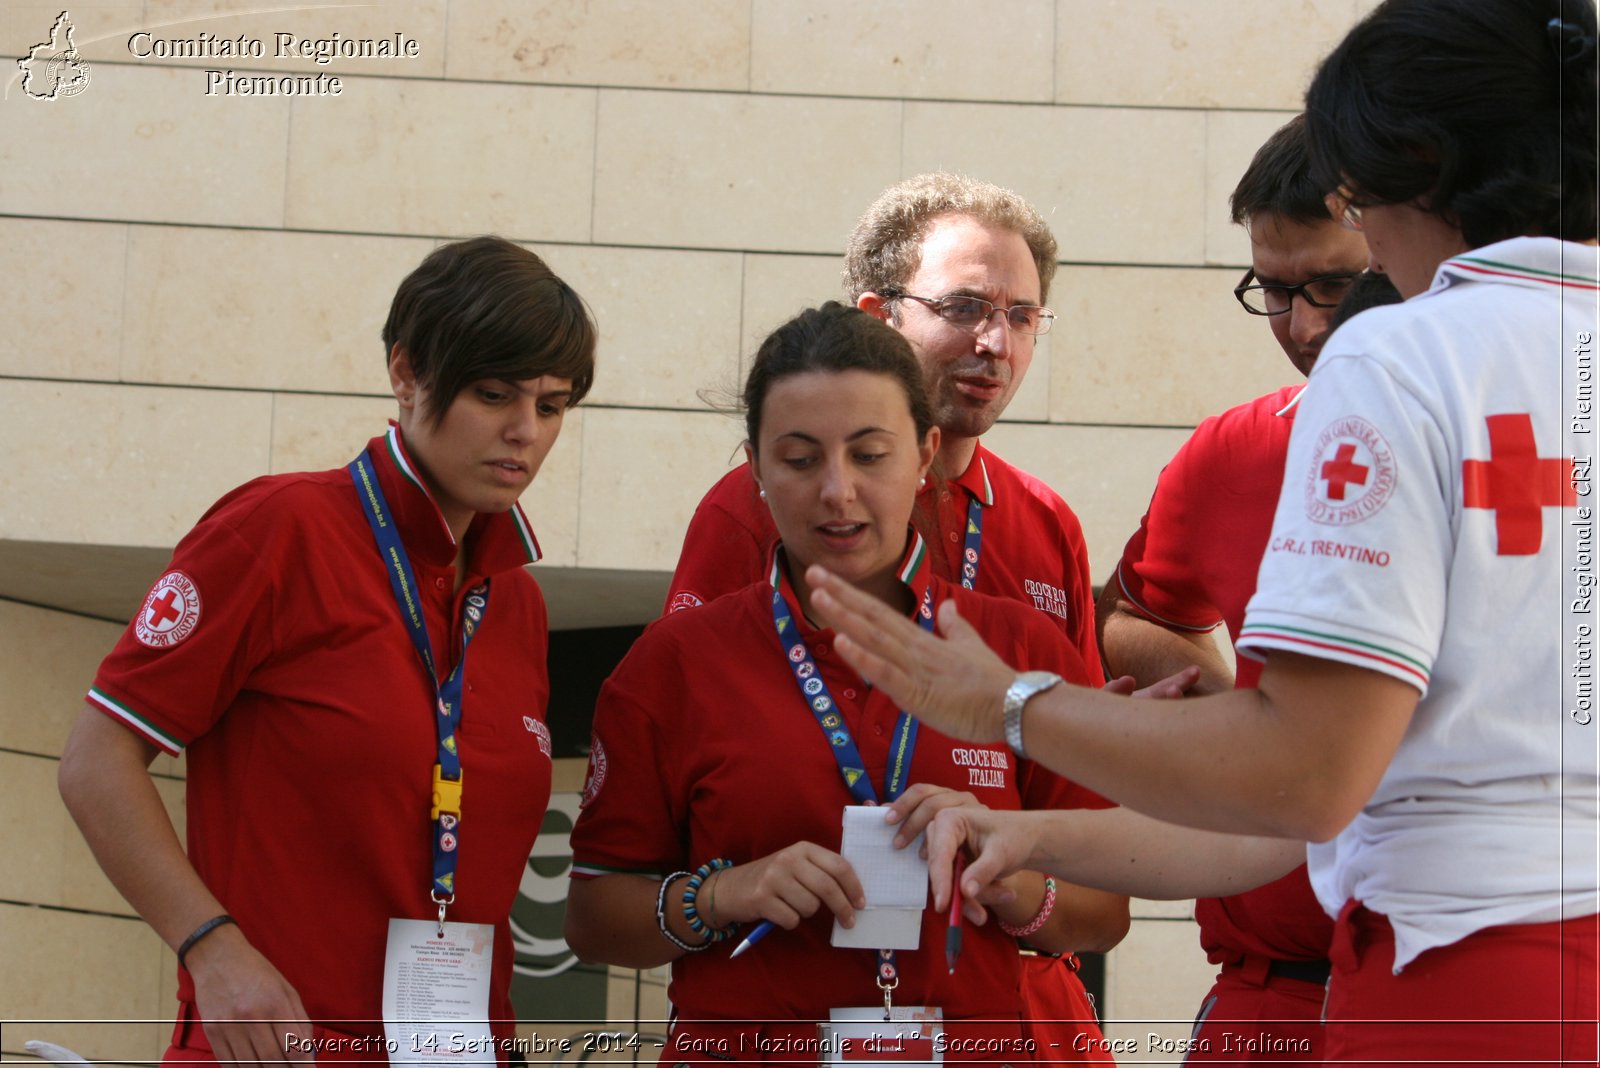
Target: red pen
<point x="952" y="935"/>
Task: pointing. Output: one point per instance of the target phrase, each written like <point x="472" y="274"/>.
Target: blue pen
<point x="764" y="928"/>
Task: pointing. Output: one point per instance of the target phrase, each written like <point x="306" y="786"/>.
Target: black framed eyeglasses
<point x="972" y="313"/>
<point x="1272" y="298"/>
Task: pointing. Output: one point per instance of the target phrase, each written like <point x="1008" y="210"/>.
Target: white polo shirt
<point x="1435" y="501"/>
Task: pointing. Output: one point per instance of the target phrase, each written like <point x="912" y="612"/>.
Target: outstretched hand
<point x="954" y="683"/>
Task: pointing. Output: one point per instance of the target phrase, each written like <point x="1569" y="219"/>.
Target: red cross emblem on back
<point x="1343" y="470"/>
<point x="1517" y="484"/>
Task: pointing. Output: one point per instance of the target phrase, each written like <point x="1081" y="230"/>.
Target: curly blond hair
<point x="885" y="249"/>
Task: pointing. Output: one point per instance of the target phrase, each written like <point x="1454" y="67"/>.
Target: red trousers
<point x="1251" y="1016"/>
<point x="1057" y="1013"/>
<point x="1523" y="994"/>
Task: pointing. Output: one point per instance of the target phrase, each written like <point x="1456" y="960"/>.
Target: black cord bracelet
<point x="200" y="932"/>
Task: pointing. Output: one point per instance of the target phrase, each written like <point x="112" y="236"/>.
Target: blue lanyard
<point x="843" y="745"/>
<point x="973" y="545"/>
<point x="815" y="692"/>
<point x="446" y="810"/>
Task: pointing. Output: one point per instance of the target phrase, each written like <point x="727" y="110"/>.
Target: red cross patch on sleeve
<point x="170" y="613"/>
<point x="1353" y="473"/>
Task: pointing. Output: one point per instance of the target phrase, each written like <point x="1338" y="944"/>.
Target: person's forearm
<point x="612" y="920"/>
<point x="105" y="782"/>
<point x="1126" y="852"/>
<point x="1134" y="645"/>
<point x="1296" y="759"/>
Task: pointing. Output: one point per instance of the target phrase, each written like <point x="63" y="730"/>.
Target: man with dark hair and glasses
<point x="962" y="269"/>
<point x="1191" y="567"/>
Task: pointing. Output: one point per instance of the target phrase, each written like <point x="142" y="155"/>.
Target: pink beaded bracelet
<point x="1046" y="907"/>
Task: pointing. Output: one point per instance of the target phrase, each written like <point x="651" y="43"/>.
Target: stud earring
<point x="922" y="483"/>
<point x="763" y="494"/>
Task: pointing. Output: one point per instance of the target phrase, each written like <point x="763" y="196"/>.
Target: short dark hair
<point x="1369" y="290"/>
<point x="885" y="248"/>
<point x="487" y="308"/>
<point x="1278" y="180"/>
<point x="1477" y="107"/>
<point x="834" y="338"/>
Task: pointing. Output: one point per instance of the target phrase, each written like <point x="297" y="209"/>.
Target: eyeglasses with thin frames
<point x="972" y="313"/>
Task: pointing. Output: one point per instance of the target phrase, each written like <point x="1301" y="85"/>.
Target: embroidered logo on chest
<point x="539" y="731"/>
<point x="985" y="767"/>
<point x="1047" y="598"/>
<point x="170" y="613"/>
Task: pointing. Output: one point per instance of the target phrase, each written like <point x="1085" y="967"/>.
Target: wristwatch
<point x="1025" y="686"/>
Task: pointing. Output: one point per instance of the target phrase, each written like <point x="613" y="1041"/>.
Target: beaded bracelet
<point x="661" y="916"/>
<point x="691" y="896"/>
<point x="1046" y="907"/>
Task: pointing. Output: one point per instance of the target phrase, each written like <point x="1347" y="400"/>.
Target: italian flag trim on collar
<point x="1523" y="273"/>
<point x="397" y="453"/>
<point x="916" y="556"/>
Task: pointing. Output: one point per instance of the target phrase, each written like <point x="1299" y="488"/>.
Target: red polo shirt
<point x="1192" y="565"/>
<point x="704" y="747"/>
<point x="1032" y="549"/>
<point x="281" y="664"/>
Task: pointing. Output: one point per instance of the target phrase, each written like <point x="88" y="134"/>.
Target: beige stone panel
<point x="1232" y="138"/>
<point x="643" y="474"/>
<point x="314" y="433"/>
<point x="100" y="30"/>
<point x="150" y="147"/>
<point x="716" y="170"/>
<point x="261" y="310"/>
<point x="404" y="157"/>
<point x="776" y="288"/>
<point x="422" y="21"/>
<point x="122" y="465"/>
<point x="1144" y="909"/>
<point x="945" y="49"/>
<point x="69" y="966"/>
<point x="1155" y="981"/>
<point x="33" y="830"/>
<point x="551" y="503"/>
<point x="1156" y="346"/>
<point x="1116" y="185"/>
<point x="63" y="306"/>
<point x="679" y="44"/>
<point x="669" y="320"/>
<point x="1180" y="53"/>
<point x="1105" y="474"/>
<point x="48" y="660"/>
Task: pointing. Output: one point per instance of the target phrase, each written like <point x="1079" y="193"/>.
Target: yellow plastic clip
<point x="446" y="795"/>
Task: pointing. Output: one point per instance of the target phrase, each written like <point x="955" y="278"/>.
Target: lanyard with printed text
<point x="446" y="810"/>
<point x="840" y="741"/>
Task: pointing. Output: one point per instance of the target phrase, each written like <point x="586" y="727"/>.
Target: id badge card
<point x="436" y="993"/>
<point x="862" y="1038"/>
